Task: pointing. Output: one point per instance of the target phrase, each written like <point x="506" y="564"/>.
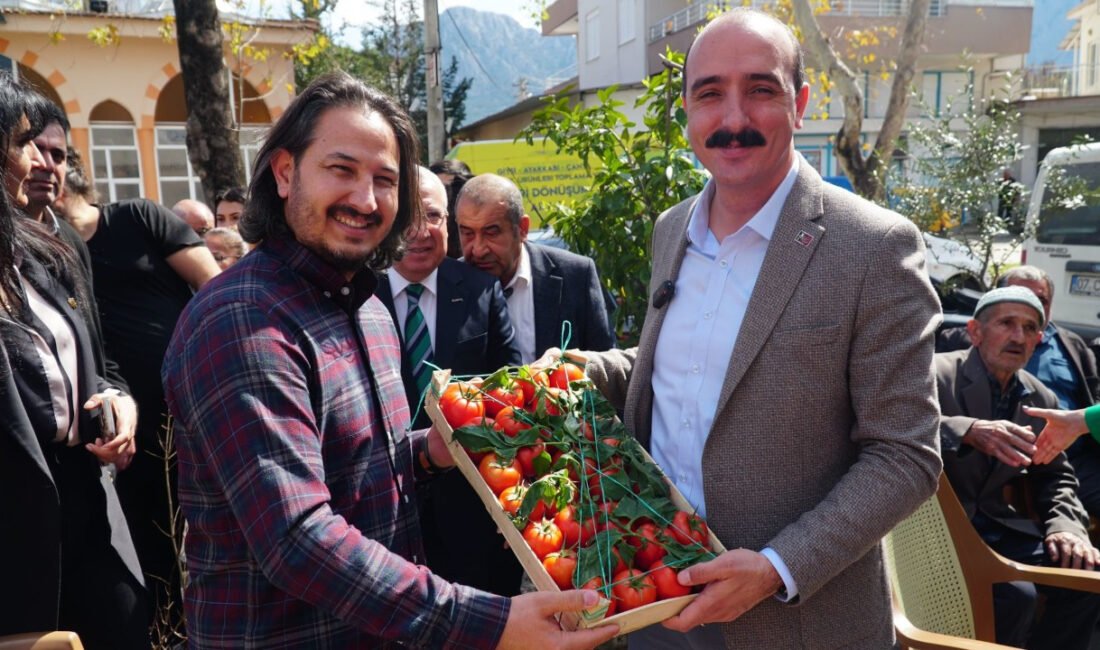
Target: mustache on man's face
<point x="746" y="137"/>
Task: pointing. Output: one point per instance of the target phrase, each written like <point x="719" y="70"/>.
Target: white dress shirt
<point x="427" y="302"/>
<point x="697" y="338"/>
<point x="521" y="307"/>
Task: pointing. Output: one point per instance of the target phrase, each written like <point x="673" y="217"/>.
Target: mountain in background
<point x="507" y="53"/>
<point x="1048" y="27"/>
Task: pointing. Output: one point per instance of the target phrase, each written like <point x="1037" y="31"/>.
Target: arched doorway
<point x="176" y="177"/>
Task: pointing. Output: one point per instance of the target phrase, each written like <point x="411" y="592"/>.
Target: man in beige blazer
<point x="783" y="376"/>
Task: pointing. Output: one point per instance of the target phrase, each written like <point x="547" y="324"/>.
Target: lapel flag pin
<point x="72" y="302"/>
<point x="804" y="238"/>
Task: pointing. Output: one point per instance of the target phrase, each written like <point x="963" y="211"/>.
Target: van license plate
<point x="1084" y="285"/>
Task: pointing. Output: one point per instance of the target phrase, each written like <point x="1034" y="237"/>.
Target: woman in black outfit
<point x="68" y="560"/>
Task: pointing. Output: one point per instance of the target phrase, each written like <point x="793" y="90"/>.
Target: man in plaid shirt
<point x="296" y="468"/>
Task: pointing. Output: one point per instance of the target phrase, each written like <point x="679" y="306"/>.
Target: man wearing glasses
<point x="196" y="214"/>
<point x="454" y="316"/>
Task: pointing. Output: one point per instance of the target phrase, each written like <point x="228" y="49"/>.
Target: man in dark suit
<point x="463" y="314"/>
<point x="545" y="286"/>
<point x="982" y="391"/>
<point x="1063" y="362"/>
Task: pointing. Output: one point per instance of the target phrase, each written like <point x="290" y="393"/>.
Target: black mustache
<point x="348" y="211"/>
<point x="747" y="137"/>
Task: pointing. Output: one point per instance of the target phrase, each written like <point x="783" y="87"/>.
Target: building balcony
<point x="981" y="27"/>
<point x="561" y="18"/>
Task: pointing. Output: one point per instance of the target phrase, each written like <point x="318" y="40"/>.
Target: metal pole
<point x="436" y="142"/>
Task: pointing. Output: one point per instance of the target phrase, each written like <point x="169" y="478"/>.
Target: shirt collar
<point x="348" y="294"/>
<point x="398" y="282"/>
<point x="522" y="277"/>
<point x="763" y="222"/>
<point x="1049" y="332"/>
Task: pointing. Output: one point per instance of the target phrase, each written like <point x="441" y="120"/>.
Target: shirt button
<point x="695" y="368"/>
<point x="724" y="263"/>
<point x="707" y="315"/>
<point x="328" y="294"/>
<point x="344" y="291"/>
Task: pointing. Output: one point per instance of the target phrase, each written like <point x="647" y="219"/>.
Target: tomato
<point x="510" y="422"/>
<point x="550" y="401"/>
<point x="633" y="589"/>
<point x="561" y="565"/>
<point x="689" y="529"/>
<point x="499" y="476"/>
<point x="649" y="547"/>
<point x="460" y="403"/>
<point x="664" y="577"/>
<point x="596" y="584"/>
<point x="597" y="482"/>
<point x="565" y="373"/>
<point x="479" y="421"/>
<point x="543" y="537"/>
<point x="526" y="457"/>
<point x="511" y="498"/>
<point x="528" y="387"/>
<point x="574" y="532"/>
<point x="497" y="398"/>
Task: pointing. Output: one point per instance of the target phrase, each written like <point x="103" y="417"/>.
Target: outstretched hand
<point x="1062" y="428"/>
<point x="1006" y="441"/>
<point x="735" y="582"/>
<point x="531" y="622"/>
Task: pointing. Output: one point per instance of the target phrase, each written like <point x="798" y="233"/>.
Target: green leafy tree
<point x="637" y="172"/>
<point x="954" y="183"/>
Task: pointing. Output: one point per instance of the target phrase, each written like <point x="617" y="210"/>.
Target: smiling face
<point x="1005" y="337"/>
<point x="741" y="103"/>
<point x="21" y="157"/>
<point x="342" y="193"/>
<point x="426" y="247"/>
<point x="48" y="180"/>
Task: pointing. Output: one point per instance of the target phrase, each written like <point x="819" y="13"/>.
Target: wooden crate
<point x="629" y="621"/>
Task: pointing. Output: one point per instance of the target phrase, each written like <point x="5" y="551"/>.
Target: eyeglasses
<point x="202" y="231"/>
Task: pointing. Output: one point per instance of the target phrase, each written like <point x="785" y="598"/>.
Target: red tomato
<point x="478" y="421"/>
<point x="511" y="498"/>
<point x="596" y="584"/>
<point x="689" y="529"/>
<point x="664" y="578"/>
<point x="528" y="387"/>
<point x="574" y="532"/>
<point x="649" y="547"/>
<point x="497" y="398"/>
<point x="561" y="566"/>
<point x="510" y="422"/>
<point x="526" y="457"/>
<point x="550" y="401"/>
<point x="633" y="589"/>
<point x="460" y="403"/>
<point x="499" y="476"/>
<point x="565" y="373"/>
<point x="597" y="482"/>
<point x="543" y="537"/>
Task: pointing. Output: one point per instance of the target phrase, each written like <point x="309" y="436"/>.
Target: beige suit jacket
<point x="825" y="433"/>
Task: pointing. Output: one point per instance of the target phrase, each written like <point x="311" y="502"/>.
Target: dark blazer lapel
<point x="385" y="293"/>
<point x="794" y="240"/>
<point x="450" y="313"/>
<point x="974" y="389"/>
<point x="547" y="286"/>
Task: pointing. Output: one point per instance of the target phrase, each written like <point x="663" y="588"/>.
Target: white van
<point x="1066" y="241"/>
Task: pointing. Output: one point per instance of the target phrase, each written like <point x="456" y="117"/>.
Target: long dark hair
<point x="264" y="215"/>
<point x="18" y="234"/>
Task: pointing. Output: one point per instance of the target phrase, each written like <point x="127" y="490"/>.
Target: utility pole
<point x="435" y="83"/>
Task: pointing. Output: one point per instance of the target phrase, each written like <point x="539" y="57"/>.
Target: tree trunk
<point x="213" y="142"/>
<point x="867" y="173"/>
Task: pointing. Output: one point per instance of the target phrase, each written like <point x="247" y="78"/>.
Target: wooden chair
<point x="41" y="641"/>
<point x="942" y="575"/>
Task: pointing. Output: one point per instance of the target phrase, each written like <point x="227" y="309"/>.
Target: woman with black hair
<point x="69" y="560"/>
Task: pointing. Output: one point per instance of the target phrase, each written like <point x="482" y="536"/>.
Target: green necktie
<point x="418" y="345"/>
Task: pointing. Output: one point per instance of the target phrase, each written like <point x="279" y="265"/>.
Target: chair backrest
<point x="929" y="585"/>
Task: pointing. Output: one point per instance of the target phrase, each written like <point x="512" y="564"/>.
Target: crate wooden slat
<point x="630" y="621"/>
